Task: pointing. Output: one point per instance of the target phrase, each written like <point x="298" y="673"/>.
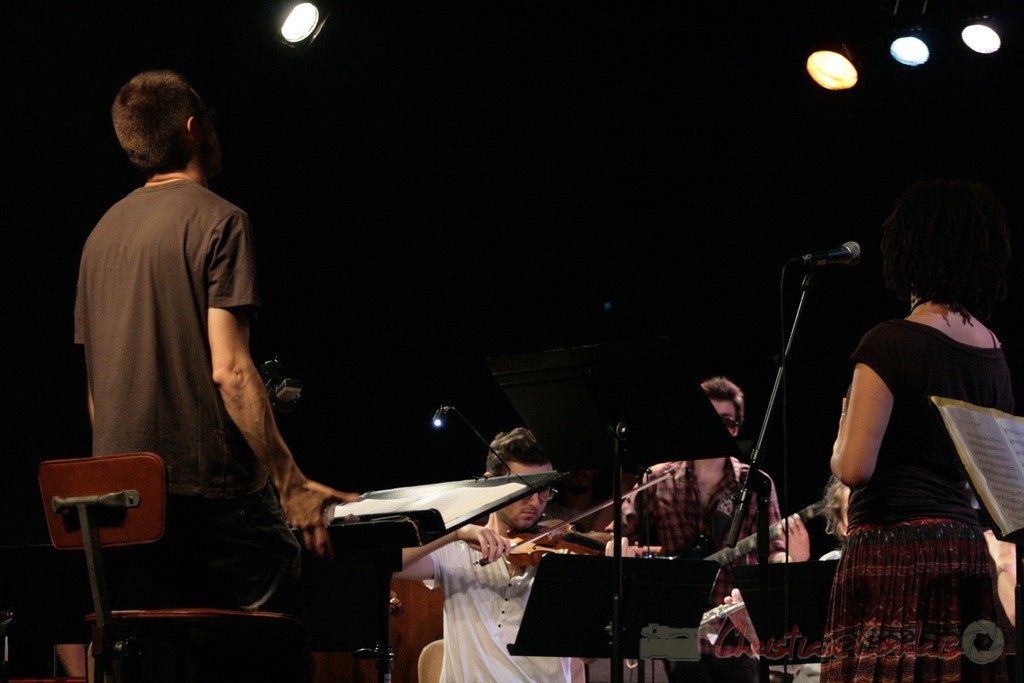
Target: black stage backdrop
<point x="435" y="184"/>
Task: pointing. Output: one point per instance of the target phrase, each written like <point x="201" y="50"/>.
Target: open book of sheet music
<point x="991" y="447"/>
<point x="441" y="508"/>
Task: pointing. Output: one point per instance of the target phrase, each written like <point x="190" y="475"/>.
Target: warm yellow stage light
<point x="832" y="70"/>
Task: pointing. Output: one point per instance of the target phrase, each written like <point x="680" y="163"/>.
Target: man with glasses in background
<point x="485" y="593"/>
<point x="689" y="515"/>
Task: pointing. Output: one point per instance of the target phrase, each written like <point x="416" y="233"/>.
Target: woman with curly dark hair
<point x="914" y="579"/>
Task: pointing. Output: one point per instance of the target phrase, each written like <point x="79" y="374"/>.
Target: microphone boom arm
<point x="441" y="415"/>
<point x="741" y="510"/>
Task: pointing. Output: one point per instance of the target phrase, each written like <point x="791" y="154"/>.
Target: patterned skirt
<point x="913" y="602"/>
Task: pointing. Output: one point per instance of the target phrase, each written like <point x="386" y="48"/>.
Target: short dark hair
<point x="720" y="388"/>
<point x="946" y="241"/>
<point x="149" y="115"/>
<point x="518" y="445"/>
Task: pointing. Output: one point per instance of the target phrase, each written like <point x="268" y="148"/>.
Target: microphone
<point x="441" y="416"/>
<point x="849" y="254"/>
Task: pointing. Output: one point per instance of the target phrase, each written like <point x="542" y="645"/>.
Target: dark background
<point x="436" y="184"/>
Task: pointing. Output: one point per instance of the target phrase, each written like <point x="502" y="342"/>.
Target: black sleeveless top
<point x="918" y="473"/>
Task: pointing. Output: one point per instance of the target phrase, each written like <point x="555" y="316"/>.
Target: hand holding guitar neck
<point x="727" y="556"/>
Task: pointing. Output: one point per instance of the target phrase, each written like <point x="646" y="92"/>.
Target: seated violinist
<point x="485" y="587"/>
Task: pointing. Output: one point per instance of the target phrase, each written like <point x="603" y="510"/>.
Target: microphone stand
<point x="620" y="431"/>
<point x="756" y="479"/>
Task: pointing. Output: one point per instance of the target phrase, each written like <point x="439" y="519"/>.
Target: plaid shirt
<point x="682" y="527"/>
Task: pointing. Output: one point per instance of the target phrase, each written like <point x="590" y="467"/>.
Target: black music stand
<point x="347" y="600"/>
<point x="573" y="399"/>
<point x="570" y="607"/>
<point x="791" y="632"/>
<point x="630" y="401"/>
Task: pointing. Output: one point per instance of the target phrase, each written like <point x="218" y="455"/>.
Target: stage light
<point x="916" y="33"/>
<point x="908" y="46"/>
<point x="910" y="50"/>
<point x="981" y="38"/>
<point x="832" y="70"/>
<point x="301" y="22"/>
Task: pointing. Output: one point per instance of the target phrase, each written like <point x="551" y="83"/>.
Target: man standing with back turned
<point x="166" y="295"/>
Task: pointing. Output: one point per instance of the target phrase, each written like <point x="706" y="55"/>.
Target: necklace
<point x="914" y="306"/>
<point x="162" y="178"/>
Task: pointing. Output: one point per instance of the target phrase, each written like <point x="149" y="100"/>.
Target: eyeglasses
<point x="730" y="422"/>
<point x="547" y="493"/>
<point x="210" y="114"/>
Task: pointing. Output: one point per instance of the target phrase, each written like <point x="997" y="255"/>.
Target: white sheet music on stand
<point x="452" y="503"/>
<point x="991" y="446"/>
<point x="435" y="509"/>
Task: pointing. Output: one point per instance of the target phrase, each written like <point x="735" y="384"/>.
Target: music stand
<point x="569" y="609"/>
<point x="792" y="631"/>
<point x="627" y="400"/>
<point x="572" y="398"/>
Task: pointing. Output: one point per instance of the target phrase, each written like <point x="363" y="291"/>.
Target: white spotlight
<point x="301" y="22"/>
<point x="909" y="50"/>
<point x="981" y="38"/>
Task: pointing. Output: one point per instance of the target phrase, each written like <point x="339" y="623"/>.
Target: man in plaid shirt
<point x="690" y="515"/>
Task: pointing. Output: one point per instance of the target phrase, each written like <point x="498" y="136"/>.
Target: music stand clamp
<point x="631" y="400"/>
<point x="673" y="644"/>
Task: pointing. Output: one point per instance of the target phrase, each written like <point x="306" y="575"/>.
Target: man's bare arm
<point x="304" y="501"/>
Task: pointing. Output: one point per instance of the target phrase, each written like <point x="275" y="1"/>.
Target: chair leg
<point x="102" y="667"/>
<point x="94" y="669"/>
<point x="103" y="672"/>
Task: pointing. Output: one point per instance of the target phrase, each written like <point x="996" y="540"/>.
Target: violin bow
<point x="600" y="506"/>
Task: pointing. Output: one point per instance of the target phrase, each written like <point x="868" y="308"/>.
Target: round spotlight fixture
<point x="981" y="38"/>
<point x="301" y="22"/>
<point x="909" y="50"/>
<point x="832" y="70"/>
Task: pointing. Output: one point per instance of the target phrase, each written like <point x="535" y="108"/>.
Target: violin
<point x="529" y="547"/>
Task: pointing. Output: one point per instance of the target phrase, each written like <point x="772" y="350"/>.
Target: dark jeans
<point x="234" y="553"/>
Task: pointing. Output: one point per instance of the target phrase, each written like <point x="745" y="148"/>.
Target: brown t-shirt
<point x="150" y="270"/>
